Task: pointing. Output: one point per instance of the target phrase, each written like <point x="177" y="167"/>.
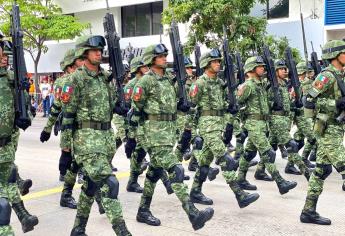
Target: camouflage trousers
<point x="330" y="152"/>
<point x="97" y="168"/>
<point x="305" y="131"/>
<point x="138" y="155"/>
<point x="280" y="135"/>
<point x="257" y="141"/>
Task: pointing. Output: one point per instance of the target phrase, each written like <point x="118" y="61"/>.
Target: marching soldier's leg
<point x="5" y="217"/>
<point x="23" y="184"/>
<point x="67" y="200"/>
<point x="166" y="182"/>
<point x="135" y="170"/>
<point x="292" y="148"/>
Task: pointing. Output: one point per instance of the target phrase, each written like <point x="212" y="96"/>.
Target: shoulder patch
<point x="128" y="93"/>
<point x="138" y="91"/>
<point x="240" y="89"/>
<point x="57" y="92"/>
<point x="66" y="93"/>
<point x="193" y="90"/>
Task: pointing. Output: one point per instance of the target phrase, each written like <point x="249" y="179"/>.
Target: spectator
<point x="32" y="89"/>
<point x="51" y="96"/>
<point x="45" y="91"/>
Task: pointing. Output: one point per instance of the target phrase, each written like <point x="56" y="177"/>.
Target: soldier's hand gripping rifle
<point x="240" y="70"/>
<point x="22" y="119"/>
<point x="293" y="76"/>
<point x="229" y="75"/>
<point x="115" y="61"/>
<point x="197" y="54"/>
<point x="181" y="75"/>
<point x="315" y="61"/>
<point x="271" y="75"/>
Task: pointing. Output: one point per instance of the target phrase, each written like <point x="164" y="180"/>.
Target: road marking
<point x="55" y="190"/>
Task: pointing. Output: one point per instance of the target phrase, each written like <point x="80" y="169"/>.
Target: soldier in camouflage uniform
<point x="252" y="95"/>
<point x="89" y="104"/>
<point x="9" y="133"/>
<point x="155" y="100"/>
<point x="208" y="95"/>
<point x="304" y="124"/>
<point x="67" y="165"/>
<point x="326" y="98"/>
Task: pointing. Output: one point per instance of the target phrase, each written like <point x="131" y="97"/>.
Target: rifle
<point x="341" y="86"/>
<point x="293" y="75"/>
<point x="197" y="54"/>
<point x="271" y="75"/>
<point x="22" y="120"/>
<point x="229" y="75"/>
<point x="240" y="71"/>
<point x="115" y="59"/>
<point x="180" y="68"/>
<point x="315" y="61"/>
<point x="303" y="34"/>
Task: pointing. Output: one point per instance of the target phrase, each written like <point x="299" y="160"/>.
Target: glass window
<point x="141" y="20"/>
<point x="278" y="9"/>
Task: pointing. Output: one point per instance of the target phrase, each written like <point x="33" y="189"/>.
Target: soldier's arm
<point x="195" y="92"/>
<point x="54" y="114"/>
<point x="70" y="100"/>
<point x="243" y="93"/>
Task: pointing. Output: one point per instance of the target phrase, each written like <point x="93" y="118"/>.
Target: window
<point x="277" y="9"/>
<point x="141" y="20"/>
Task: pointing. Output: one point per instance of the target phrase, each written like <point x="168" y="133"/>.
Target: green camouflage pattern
<point x="330" y="45"/>
<point x="6" y="103"/>
<point x="6" y="231"/>
<point x="251" y="63"/>
<point x="206" y="58"/>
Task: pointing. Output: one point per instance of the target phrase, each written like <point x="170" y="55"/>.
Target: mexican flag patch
<point x="193" y="90"/>
<point x="66" y="93"/>
<point x="128" y="93"/>
<point x="138" y="91"/>
<point x="58" y="91"/>
<point x="323" y="79"/>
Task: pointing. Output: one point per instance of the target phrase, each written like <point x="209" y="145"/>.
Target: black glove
<point x="33" y="111"/>
<point x="130" y="147"/>
<point x="340" y="104"/>
<point x="308" y="104"/>
<point x="22" y="123"/>
<point x="45" y="136"/>
<point x="121" y="111"/>
<point x="298" y="103"/>
<point x="276" y="107"/>
<point x="233" y="109"/>
<point x="183" y="106"/>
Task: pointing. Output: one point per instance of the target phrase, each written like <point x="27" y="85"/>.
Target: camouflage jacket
<point x="6" y="103"/>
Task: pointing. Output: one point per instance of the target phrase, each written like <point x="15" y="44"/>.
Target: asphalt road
<point x="272" y="214"/>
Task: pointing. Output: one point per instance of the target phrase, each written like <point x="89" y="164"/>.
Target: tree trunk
<point x="36" y="81"/>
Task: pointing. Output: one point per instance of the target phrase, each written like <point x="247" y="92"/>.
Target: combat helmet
<point x="253" y="62"/>
<point x="136" y="63"/>
<point x="69" y="58"/>
<point x="302" y="68"/>
<point x="88" y="42"/>
<point x="279" y="64"/>
<point x="187" y="62"/>
<point x="332" y="49"/>
<point x="207" y="57"/>
<point x="153" y="51"/>
<point x="7" y="47"/>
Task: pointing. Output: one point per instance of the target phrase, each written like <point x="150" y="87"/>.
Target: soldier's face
<point x="260" y="70"/>
<point x="301" y="77"/>
<point x="341" y="58"/>
<point x="189" y="71"/>
<point x="311" y="74"/>
<point x="4" y="61"/>
<point x="144" y="69"/>
<point x="215" y="66"/>
<point x="70" y="69"/>
<point x="78" y="63"/>
<point x="161" y="61"/>
<point x="94" y="56"/>
<point x="282" y="73"/>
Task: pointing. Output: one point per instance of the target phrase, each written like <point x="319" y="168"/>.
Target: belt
<point x="4" y="141"/>
<point x="257" y="117"/>
<point x="162" y="117"/>
<point x="212" y="113"/>
<point x="279" y="113"/>
<point x="94" y="125"/>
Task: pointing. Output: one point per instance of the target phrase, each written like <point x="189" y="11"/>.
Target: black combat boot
<point x="24" y="185"/>
<point x="99" y="202"/>
<point x="285" y="186"/>
<point x="244" y="183"/>
<point x="283" y="151"/>
<point x="261" y="175"/>
<point x="312" y="156"/>
<point x="308" y="163"/>
<point x="62" y="178"/>
<point x="212" y="173"/>
<point x="121" y="229"/>
<point x="186" y="177"/>
<point x="291" y="169"/>
<point x="28" y="221"/>
<point x="230" y="147"/>
<point x="144" y="214"/>
<point x="80" y="227"/>
<point x="197" y="218"/>
<point x="193" y="164"/>
<point x="311" y="216"/>
<point x="196" y="196"/>
<point x="132" y="185"/>
<point x="243" y="198"/>
<point x="67" y="199"/>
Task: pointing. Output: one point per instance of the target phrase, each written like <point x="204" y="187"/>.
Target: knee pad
<point x="326" y="170"/>
<point x="198" y="142"/>
<point x="13" y="175"/>
<point x="113" y="185"/>
<point x="91" y="188"/>
<point x="271" y="154"/>
<point x="5" y="212"/>
<point x="203" y="172"/>
<point x="242" y="137"/>
<point x="179" y="173"/>
<point x="141" y="155"/>
<point x="230" y="163"/>
<point x="275" y="146"/>
<point x="74" y="167"/>
<point x="250" y="155"/>
<point x="154" y="174"/>
<point x="64" y="164"/>
<point x="292" y="146"/>
<point x="312" y="142"/>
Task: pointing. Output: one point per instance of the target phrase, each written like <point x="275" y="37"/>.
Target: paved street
<point x="272" y="214"/>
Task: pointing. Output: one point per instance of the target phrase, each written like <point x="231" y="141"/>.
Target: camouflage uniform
<point x="9" y="193"/>
<point x="89" y="102"/>
<point x="154" y="100"/>
<point x="252" y="95"/>
<point x="208" y="95"/>
<point x="325" y="96"/>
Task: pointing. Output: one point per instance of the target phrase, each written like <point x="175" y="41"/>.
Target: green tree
<point x="246" y="34"/>
<point x="41" y="20"/>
